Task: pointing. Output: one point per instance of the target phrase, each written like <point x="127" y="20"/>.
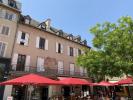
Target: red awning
<point x="103" y="83"/>
<point x="128" y="80"/>
<point x="31" y="79"/>
<point x="73" y="81"/>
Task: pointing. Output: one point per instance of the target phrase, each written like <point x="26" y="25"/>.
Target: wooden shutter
<point x="57" y="47"/>
<point x="40" y="64"/>
<point x="81" y="70"/>
<point x="68" y="50"/>
<point x="19" y="37"/>
<point x="37" y="42"/>
<point x="77" y="52"/>
<point x="46" y="44"/>
<point x="14" y="17"/>
<point x="71" y="69"/>
<point x="74" y="51"/>
<point x="1" y="29"/>
<point x="62" y="49"/>
<point x="27" y="63"/>
<point x="60" y="67"/>
<point x="26" y="39"/>
<point x="14" y="61"/>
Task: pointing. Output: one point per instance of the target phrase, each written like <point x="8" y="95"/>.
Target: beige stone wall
<point x="9" y="40"/>
<point x="50" y="55"/>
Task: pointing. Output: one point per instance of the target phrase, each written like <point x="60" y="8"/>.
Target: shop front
<point x="4" y="69"/>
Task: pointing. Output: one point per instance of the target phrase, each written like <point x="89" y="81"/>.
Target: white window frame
<point x="1" y="29"/>
<point x="72" y="71"/>
<point x="60" y="67"/>
<point x="6" y="44"/>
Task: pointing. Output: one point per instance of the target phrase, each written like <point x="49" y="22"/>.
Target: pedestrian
<point x="113" y="95"/>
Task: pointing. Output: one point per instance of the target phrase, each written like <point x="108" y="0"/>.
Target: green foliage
<point x="113" y="50"/>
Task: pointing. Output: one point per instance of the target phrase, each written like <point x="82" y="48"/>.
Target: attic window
<point x="27" y="19"/>
<point x="60" y="33"/>
<point x="42" y="26"/>
<point x="12" y="3"/>
<point x="70" y="36"/>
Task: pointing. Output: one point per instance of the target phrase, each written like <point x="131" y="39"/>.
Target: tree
<point x="113" y="50"/>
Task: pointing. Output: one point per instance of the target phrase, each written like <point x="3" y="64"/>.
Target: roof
<point x="59" y="32"/>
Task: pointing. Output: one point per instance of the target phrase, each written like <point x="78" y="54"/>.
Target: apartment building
<point x="9" y="14"/>
<point x="28" y="46"/>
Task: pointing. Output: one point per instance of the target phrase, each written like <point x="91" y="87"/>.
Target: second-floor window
<point x="10" y="16"/>
<point x="2" y="49"/>
<point x="21" y="62"/>
<point x="59" y="47"/>
<point x="23" y="38"/>
<point x="79" y="52"/>
<point x="41" y="43"/>
<point x="4" y="30"/>
<point x="71" y="51"/>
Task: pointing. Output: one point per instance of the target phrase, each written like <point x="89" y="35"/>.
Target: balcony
<point x="12" y="3"/>
<point x="47" y="72"/>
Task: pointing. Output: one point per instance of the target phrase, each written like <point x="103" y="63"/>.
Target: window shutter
<point x="14" y="17"/>
<point x="60" y="67"/>
<point x="74" y="50"/>
<point x="40" y="64"/>
<point x="46" y="44"/>
<point x="62" y="49"/>
<point x="14" y="61"/>
<point x="1" y="29"/>
<point x="77" y="52"/>
<point x="81" y="71"/>
<point x="82" y="52"/>
<point x="68" y="51"/>
<point x="27" y="63"/>
<point x="71" y="69"/>
<point x="3" y="13"/>
<point x="26" y="39"/>
<point x="57" y="47"/>
<point x="19" y="37"/>
<point x="37" y="42"/>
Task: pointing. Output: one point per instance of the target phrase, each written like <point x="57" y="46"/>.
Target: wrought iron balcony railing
<point x="47" y="71"/>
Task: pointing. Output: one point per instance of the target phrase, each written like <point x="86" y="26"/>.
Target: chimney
<point x="48" y="23"/>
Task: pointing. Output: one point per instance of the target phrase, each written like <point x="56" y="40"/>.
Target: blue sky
<point x="77" y="16"/>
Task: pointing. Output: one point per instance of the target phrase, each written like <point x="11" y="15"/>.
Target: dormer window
<point x="70" y="36"/>
<point x="42" y="26"/>
<point x="12" y="3"/>
<point x="27" y="19"/>
<point x="77" y="38"/>
<point x="84" y="42"/>
<point x="60" y="33"/>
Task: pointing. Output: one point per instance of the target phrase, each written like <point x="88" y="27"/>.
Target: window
<point x="12" y="3"/>
<point x="10" y="16"/>
<point x="72" y="69"/>
<point x="71" y="51"/>
<point x="41" y="43"/>
<point x="59" y="48"/>
<point x="5" y="30"/>
<point x="60" y="67"/>
<point x="79" y="52"/>
<point x="2" y="49"/>
<point x="21" y="62"/>
<point x="23" y="38"/>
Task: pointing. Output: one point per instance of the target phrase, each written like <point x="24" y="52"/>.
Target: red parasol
<point x="128" y="80"/>
<point x="104" y="83"/>
<point x="73" y="81"/>
<point x="31" y="79"/>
